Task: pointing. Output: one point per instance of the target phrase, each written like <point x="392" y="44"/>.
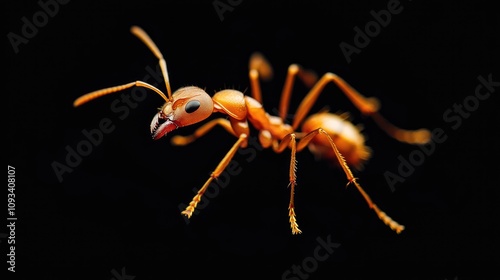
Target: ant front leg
<point x="242" y="140"/>
<point x="180" y="140"/>
<point x="304" y="142"/>
<point x="233" y="104"/>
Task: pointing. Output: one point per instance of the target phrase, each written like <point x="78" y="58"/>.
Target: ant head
<point x="189" y="105"/>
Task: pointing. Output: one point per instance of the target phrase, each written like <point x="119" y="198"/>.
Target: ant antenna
<point x="141" y="34"/>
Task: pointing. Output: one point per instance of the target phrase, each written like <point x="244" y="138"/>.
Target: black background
<point x="119" y="207"/>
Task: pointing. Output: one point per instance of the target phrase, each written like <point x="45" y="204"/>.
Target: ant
<point x="326" y="135"/>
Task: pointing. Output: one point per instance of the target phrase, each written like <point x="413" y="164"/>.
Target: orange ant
<point x="327" y="135"/>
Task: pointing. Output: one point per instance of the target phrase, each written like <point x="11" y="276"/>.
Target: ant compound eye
<point x="192" y="106"/>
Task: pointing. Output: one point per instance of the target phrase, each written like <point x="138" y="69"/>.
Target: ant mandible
<point x="325" y="134"/>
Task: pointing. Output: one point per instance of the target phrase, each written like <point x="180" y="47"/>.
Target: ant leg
<point x="419" y="136"/>
<point x="350" y="177"/>
<point x="259" y="67"/>
<point x="367" y="106"/>
<point x="308" y="77"/>
<point x="180" y="140"/>
<point x="289" y="141"/>
<point x="218" y="170"/>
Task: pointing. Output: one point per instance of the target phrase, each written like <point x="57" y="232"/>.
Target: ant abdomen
<point x="347" y="137"/>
